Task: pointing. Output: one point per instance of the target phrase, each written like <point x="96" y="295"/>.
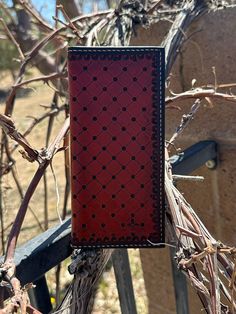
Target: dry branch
<point x="9" y="128"/>
<point x="11" y="37"/>
<point x="200" y="93"/>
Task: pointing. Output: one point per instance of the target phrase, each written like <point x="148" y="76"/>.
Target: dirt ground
<point x="26" y="108"/>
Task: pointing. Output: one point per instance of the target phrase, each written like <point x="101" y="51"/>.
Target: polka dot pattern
<point x="116" y="147"/>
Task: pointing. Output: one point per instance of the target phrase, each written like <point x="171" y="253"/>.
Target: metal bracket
<point x="194" y="157"/>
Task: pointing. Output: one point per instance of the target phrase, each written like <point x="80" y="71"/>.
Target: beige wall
<point x="212" y="44"/>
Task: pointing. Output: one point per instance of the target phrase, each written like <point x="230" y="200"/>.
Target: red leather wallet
<point x="117" y="146"/>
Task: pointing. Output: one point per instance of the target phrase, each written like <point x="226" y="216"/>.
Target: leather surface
<point x="116" y="109"/>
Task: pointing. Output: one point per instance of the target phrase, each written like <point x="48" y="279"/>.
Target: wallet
<point x="117" y="146"/>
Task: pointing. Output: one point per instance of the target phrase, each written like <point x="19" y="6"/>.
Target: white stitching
<point x="147" y="49"/>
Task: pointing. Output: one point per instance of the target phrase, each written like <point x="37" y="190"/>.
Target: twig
<point x="48" y="154"/>
<point x="44" y="78"/>
<point x="8" y="14"/>
<point x="154" y="6"/>
<point x="11" y="97"/>
<point x="11" y="37"/>
<point x="34" y="13"/>
<point x="187" y="178"/>
<point x="8" y="126"/>
<point x="17" y="182"/>
<point x="200" y="93"/>
<point x="70" y="23"/>
<point x="186" y="119"/>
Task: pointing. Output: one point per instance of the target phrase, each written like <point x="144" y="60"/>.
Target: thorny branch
<point x="199" y="255"/>
<point x="201" y="93"/>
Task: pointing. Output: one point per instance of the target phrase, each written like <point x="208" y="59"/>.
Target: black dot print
<point x="112" y="113"/>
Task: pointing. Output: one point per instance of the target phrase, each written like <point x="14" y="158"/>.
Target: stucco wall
<point x="212" y="44"/>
